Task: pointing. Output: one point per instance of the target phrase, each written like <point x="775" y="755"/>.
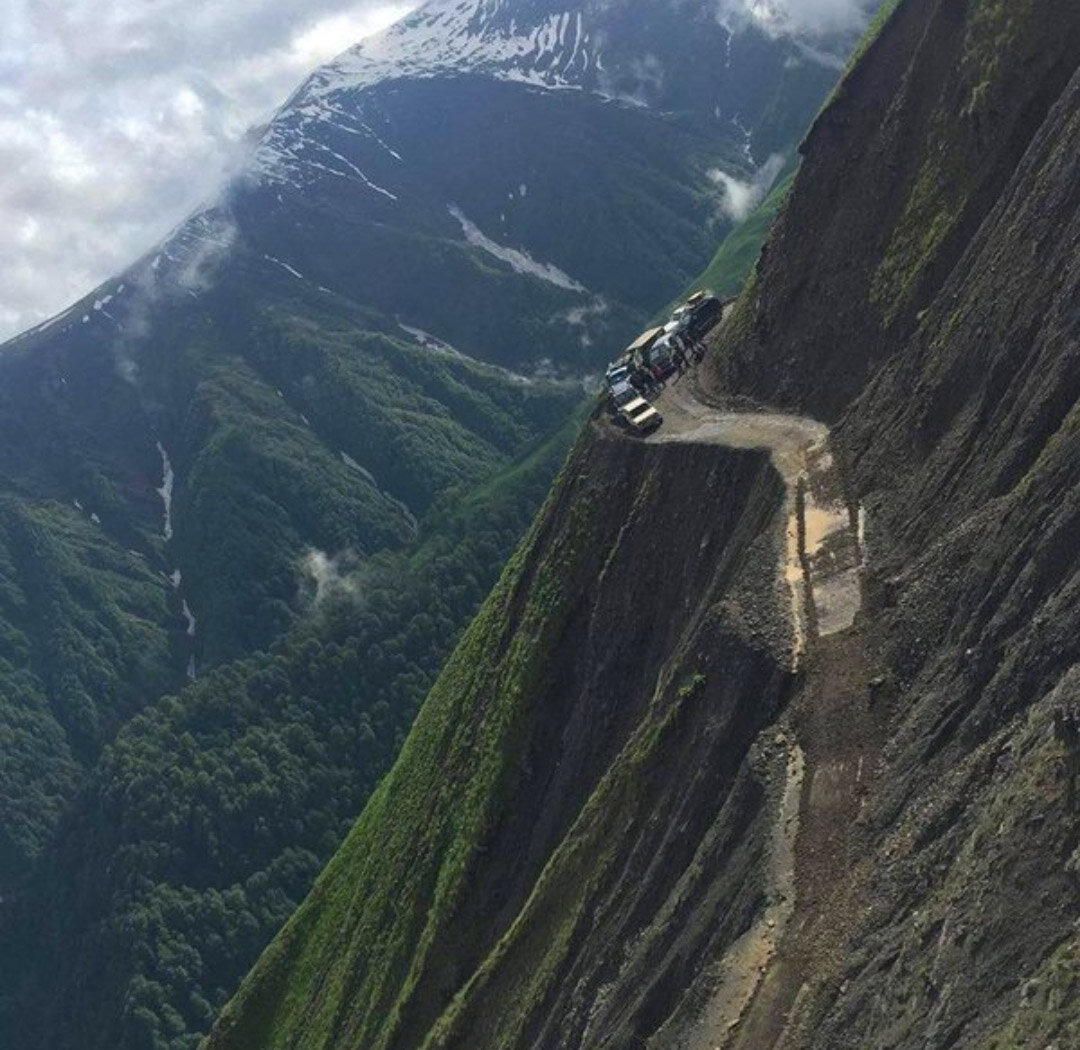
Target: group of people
<point x="688" y="351"/>
<point x="649" y="380"/>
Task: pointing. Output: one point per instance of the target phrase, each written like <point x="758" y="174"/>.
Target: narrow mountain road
<point x="829" y="734"/>
<point x="824" y="552"/>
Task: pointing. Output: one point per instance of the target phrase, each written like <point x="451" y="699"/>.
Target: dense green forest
<point x="294" y="422"/>
<point x="205" y="821"/>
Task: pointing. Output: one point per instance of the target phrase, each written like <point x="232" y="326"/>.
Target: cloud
<point x="800" y="18"/>
<point x="118" y="117"/>
<point x="328" y="577"/>
<point x="639" y="82"/>
<point x="738" y="198"/>
<point x="586" y="317"/>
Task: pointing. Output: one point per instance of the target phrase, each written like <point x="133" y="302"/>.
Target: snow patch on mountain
<point x="288" y="149"/>
<point x="189" y="619"/>
<point x="440" y="38"/>
<point x="431" y="342"/>
<point x="464" y="36"/>
<point x="519" y="261"/>
<point x="353" y="465"/>
<point x="285" y="266"/>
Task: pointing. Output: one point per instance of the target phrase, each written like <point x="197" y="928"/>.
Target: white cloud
<point x="800" y="17"/>
<point x="738" y="198"/>
<point x="326" y="576"/>
<point x="117" y="117"/>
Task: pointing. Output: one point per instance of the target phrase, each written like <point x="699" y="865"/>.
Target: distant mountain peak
<point x="546" y="45"/>
<point x="613" y="49"/>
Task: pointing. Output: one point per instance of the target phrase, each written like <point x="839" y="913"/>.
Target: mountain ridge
<point x="918" y="292"/>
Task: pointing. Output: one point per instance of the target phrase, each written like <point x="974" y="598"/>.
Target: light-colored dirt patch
<point x="746" y="962"/>
<point x="836" y="601"/>
<point x="795" y="577"/>
<point x="821" y="524"/>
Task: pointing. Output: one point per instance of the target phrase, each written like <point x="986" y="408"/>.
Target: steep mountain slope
<point x="416" y="200"/>
<point x="343" y="384"/>
<point x="568" y="706"/>
<point x="622" y="819"/>
<point x="858" y="274"/>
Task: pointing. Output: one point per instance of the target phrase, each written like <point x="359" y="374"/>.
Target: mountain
<point x="767" y="735"/>
<point x="253" y="488"/>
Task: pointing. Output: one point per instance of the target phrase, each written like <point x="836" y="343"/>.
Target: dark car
<point x="704" y="317"/>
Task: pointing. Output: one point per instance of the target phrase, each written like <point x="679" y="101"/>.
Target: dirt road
<point x="762" y="983"/>
<point x="824" y="534"/>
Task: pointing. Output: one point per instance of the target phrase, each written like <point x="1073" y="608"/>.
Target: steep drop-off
<point x="633" y="637"/>
<point x="620" y="820"/>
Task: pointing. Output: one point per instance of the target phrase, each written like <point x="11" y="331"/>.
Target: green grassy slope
<point x="731" y="266"/>
<point x="489" y="796"/>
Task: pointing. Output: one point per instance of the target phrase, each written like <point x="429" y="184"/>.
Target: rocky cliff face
<point x="649" y="828"/>
<point x="899" y="172"/>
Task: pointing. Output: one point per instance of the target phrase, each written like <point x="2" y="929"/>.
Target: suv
<point x="704" y="317"/>
<point x="618" y="372"/>
<point x="622" y="393"/>
<point x="641" y="415"/>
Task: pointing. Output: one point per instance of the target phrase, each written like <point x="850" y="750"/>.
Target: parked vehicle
<point x="623" y="393"/>
<point x="640" y="347"/>
<point x="641" y="416"/>
<point x="661" y="358"/>
<point x="678" y="324"/>
<point x="704" y="316"/>
<point x="619" y="371"/>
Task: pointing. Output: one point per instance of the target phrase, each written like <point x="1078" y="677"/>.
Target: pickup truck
<point x="640" y="415"/>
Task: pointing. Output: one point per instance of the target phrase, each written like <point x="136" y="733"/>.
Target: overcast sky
<point x="118" y="116"/>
